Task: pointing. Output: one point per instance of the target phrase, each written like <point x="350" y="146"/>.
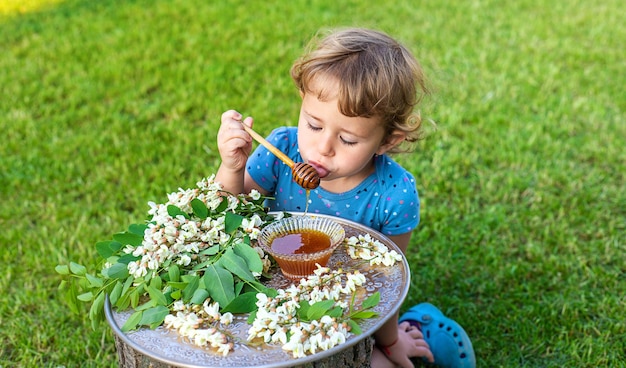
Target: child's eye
<point x="314" y="128"/>
<point x="347" y="143"/>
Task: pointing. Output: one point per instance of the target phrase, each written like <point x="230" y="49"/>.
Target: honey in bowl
<point x="307" y="241"/>
<point x="299" y="243"/>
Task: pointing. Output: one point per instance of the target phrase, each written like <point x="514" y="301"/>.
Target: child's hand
<point x="233" y="142"/>
<point x="410" y="344"/>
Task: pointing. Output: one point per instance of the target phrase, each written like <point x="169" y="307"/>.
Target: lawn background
<point x="106" y="105"/>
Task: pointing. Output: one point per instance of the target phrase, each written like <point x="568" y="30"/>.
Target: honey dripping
<point x="306" y="206"/>
<point x="306" y="241"/>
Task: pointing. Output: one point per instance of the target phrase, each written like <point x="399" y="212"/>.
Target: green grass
<point x="107" y="105"/>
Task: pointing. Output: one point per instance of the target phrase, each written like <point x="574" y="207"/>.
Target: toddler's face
<point x="340" y="147"/>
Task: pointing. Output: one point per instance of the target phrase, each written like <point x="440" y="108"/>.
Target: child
<point x="359" y="88"/>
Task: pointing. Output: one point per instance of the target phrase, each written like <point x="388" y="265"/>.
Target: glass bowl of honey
<point x="298" y="243"/>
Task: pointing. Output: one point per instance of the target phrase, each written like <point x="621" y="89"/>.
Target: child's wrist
<point x="386" y="349"/>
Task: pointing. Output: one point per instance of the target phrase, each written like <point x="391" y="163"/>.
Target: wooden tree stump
<point x="358" y="355"/>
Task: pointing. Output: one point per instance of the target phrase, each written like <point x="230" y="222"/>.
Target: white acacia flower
<point x="184" y="260"/>
<point x="372" y="250"/>
<point x="255" y="194"/>
<point x="137" y="269"/>
<point x="233" y="202"/>
<point x="209" y="184"/>
<point x="212" y="309"/>
<point x="152" y="262"/>
<point x="213" y="202"/>
<point x="337" y="338"/>
<point x="139" y="251"/>
<point x="224" y="349"/>
<point x="226" y="318"/>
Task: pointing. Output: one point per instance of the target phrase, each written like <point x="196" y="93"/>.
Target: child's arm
<point x="234" y="145"/>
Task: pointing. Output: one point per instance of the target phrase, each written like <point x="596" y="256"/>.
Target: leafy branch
<point x="195" y="247"/>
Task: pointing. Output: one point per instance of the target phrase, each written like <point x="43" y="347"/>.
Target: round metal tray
<point x="168" y="347"/>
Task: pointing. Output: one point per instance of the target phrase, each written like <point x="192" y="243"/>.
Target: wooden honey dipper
<point x="304" y="174"/>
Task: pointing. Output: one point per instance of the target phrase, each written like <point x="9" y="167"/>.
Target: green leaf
<point x="236" y="265"/>
<point x="62" y="269"/>
<point x="127" y="284"/>
<point x="77" y="269"/>
<point x="96" y="312"/>
<point x="128" y="238"/>
<point x="127" y="258"/>
<point x="251" y="317"/>
<point x="222" y="206"/>
<point x="364" y="315"/>
<point x="335" y="312"/>
<point x="203" y="265"/>
<point x="220" y="284"/>
<point x="232" y="222"/>
<point x="137" y="292"/>
<point x="151" y="303"/>
<point x="133" y="321"/>
<point x="85" y="297"/>
<point x="252" y="258"/>
<point x="238" y="287"/>
<point x="134" y="299"/>
<point x="176" y="294"/>
<point x="211" y="251"/>
<point x="271" y="292"/>
<point x="244" y="303"/>
<point x="94" y="281"/>
<point x="303" y="311"/>
<point x="319" y="309"/>
<point x="154" y="317"/>
<point x="156" y="282"/>
<point x="138" y="229"/>
<point x="71" y="298"/>
<point x="199" y="208"/>
<point x="178" y="285"/>
<point x="156" y="295"/>
<point x="190" y="289"/>
<point x="117" y="271"/>
<point x="175" y="211"/>
<point x="354" y="327"/>
<point x="116" y="292"/>
<point x="199" y="296"/>
<point x="108" y="248"/>
<point x="187" y="278"/>
<point x="174" y="273"/>
<point x="124" y="299"/>
<point x="371" y="301"/>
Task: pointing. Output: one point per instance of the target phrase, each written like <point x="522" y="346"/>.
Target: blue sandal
<point x="448" y="341"/>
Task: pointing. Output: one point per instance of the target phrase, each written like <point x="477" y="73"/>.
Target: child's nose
<point x="325" y="146"/>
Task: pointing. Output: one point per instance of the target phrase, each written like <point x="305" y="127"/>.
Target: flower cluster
<point x="201" y="324"/>
<point x="372" y="250"/>
<point x="301" y="317"/>
<point x="178" y="237"/>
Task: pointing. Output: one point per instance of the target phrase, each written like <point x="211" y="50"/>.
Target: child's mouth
<point x="321" y="170"/>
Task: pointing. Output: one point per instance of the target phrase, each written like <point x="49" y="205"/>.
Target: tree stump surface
<point x="358" y="355"/>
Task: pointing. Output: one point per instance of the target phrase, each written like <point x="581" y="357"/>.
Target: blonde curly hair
<point x="377" y="77"/>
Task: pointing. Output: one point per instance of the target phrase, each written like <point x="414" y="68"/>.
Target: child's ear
<point x="395" y="138"/>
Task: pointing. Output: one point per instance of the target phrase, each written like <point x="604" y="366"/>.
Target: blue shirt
<point x="386" y="201"/>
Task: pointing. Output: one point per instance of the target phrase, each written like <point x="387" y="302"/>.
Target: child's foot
<point x="448" y="341"/>
<point x="412" y="343"/>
